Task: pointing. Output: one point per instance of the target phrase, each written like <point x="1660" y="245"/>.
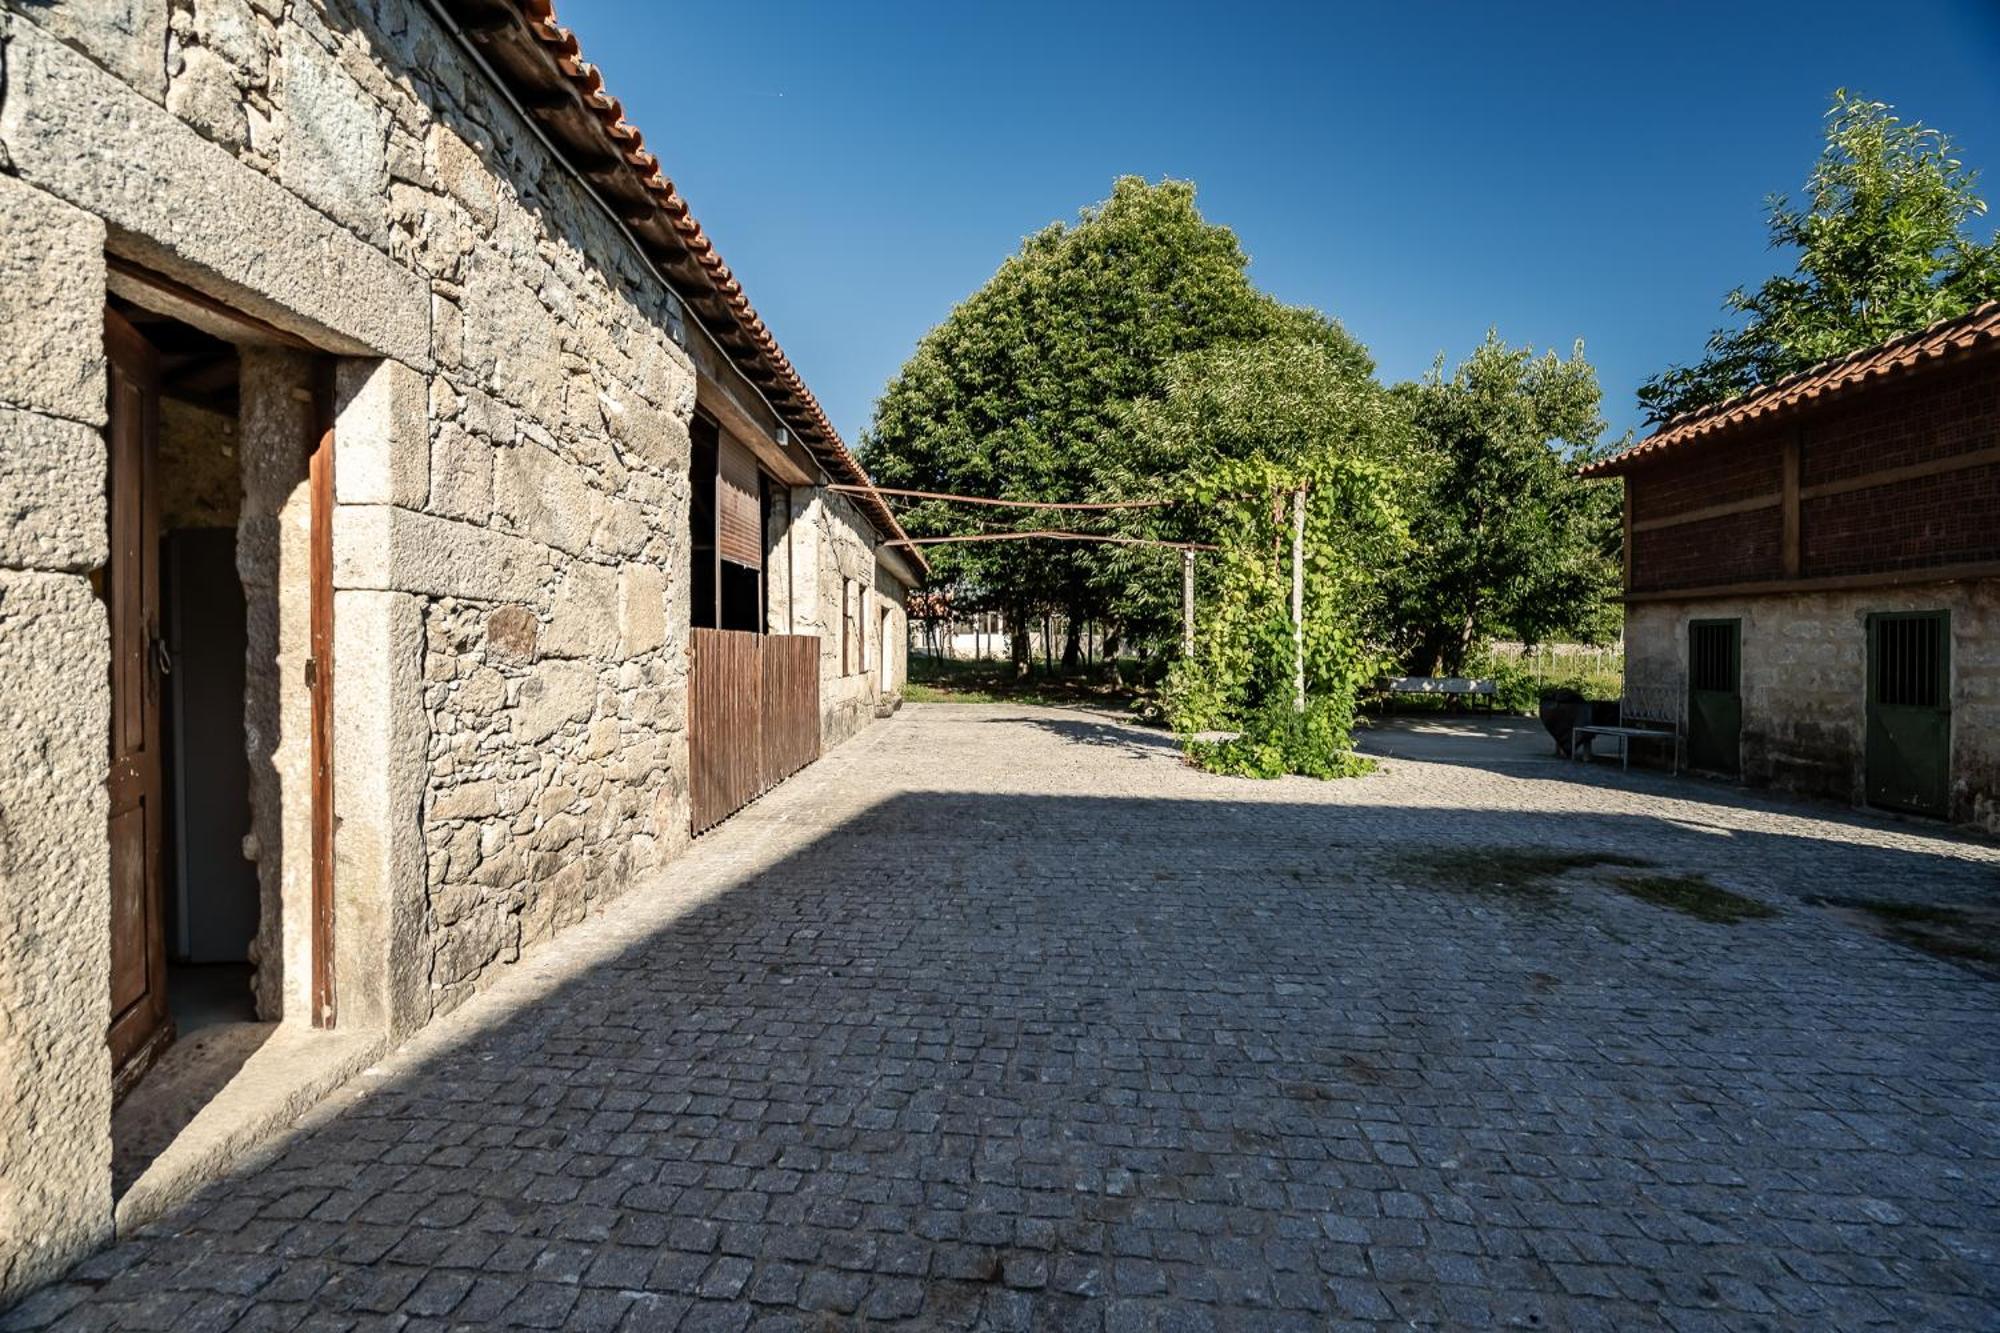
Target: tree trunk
<point x="1017" y="644"/>
<point x="1111" y="647"/>
<point x="1424" y="661"/>
<point x="1048" y="644"/>
<point x="1462" y="640"/>
<point x="1072" y="657"/>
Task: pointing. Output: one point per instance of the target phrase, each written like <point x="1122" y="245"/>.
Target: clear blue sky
<point x="1419" y="171"/>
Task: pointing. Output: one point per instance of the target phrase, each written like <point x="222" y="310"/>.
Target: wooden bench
<point x="1645" y="713"/>
<point x="1456" y="688"/>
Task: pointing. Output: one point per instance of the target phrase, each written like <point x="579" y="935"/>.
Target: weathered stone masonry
<point x="824" y="552"/>
<point x="1864" y="487"/>
<point x="513" y="393"/>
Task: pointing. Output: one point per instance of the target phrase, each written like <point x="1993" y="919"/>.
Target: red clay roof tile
<point x="1973" y="333"/>
<point x="763" y="360"/>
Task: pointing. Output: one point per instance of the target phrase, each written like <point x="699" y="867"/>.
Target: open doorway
<point x="204" y="588"/>
<point x="211" y="899"/>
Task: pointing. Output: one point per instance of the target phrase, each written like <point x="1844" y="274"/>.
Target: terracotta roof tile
<point x="1974" y="333"/>
<point x="762" y="359"/>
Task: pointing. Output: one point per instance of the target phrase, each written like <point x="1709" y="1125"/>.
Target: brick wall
<point x="1735" y="548"/>
<point x="1935" y="416"/>
<point x="1710" y="473"/>
<point x="1902" y="525"/>
<point x="1947" y="519"/>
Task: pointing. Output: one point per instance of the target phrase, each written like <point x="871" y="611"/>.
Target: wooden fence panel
<point x="791" y="705"/>
<point x="725" y="709"/>
<point x="753" y="717"/>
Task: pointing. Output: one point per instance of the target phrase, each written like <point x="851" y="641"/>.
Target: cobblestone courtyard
<point x="1000" y="1017"/>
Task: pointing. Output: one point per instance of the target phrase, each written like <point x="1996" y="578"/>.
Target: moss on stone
<point x="1693" y="895"/>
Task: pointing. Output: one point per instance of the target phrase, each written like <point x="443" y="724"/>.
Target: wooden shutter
<point x="741" y="519"/>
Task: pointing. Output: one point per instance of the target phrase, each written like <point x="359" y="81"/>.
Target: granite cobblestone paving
<point x="1000" y="1017"/>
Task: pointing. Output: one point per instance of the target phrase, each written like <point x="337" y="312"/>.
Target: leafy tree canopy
<point x="1883" y="248"/>
<point x="1505" y="539"/>
<point x="1025" y="390"/>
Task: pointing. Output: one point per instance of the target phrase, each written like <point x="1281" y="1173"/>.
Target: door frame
<point x="888" y="658"/>
<point x="319" y="682"/>
<point x="157" y="292"/>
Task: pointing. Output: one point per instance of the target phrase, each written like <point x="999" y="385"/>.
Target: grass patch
<point x="935" y="681"/>
<point x="922" y="692"/>
<point x="1693" y="895"/>
<point x="1955" y="934"/>
<point x="1529" y="872"/>
<point x="1889" y="910"/>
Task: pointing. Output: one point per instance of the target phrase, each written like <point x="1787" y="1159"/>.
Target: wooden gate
<point x="791" y="705"/>
<point x="753" y="717"/>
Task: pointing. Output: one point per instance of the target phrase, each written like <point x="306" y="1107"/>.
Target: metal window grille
<point x="1712" y="657"/>
<point x="1909" y="653"/>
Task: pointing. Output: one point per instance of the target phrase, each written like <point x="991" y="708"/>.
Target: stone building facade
<point x="365" y="337"/>
<point x="1814" y="569"/>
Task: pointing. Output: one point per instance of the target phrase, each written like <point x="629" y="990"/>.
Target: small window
<point x="1909" y="660"/>
<point x="1712" y="656"/>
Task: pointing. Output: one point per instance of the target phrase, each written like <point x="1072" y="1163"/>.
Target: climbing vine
<point x="1240" y="677"/>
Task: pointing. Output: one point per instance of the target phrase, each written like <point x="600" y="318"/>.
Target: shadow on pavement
<point x="1007" y="1060"/>
<point x="1105" y="732"/>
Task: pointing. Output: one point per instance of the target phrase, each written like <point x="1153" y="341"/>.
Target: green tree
<point x="1300" y="388"/>
<point x="1250" y="424"/>
<point x="1505" y="537"/>
<point x="1025" y="390"/>
<point x="1883" y="248"/>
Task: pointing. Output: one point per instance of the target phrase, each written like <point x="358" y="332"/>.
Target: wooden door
<point x="725" y="723"/>
<point x="1908" y="748"/>
<point x="1715" y="698"/>
<point x="140" y="1025"/>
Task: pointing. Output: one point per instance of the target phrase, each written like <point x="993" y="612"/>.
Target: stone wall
<point x="201" y="484"/>
<point x="55" y="709"/>
<point x="892" y="616"/>
<point x="824" y="550"/>
<point x="1805" y="681"/>
<point x="273" y="534"/>
<point x="510" y="535"/>
<point x="544" y="490"/>
<point x="849" y="688"/>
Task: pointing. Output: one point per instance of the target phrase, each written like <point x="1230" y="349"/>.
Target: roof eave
<point x="541" y="67"/>
<point x="1949" y="342"/>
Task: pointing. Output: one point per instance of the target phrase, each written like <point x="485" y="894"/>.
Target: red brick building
<point x="1814" y="567"/>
